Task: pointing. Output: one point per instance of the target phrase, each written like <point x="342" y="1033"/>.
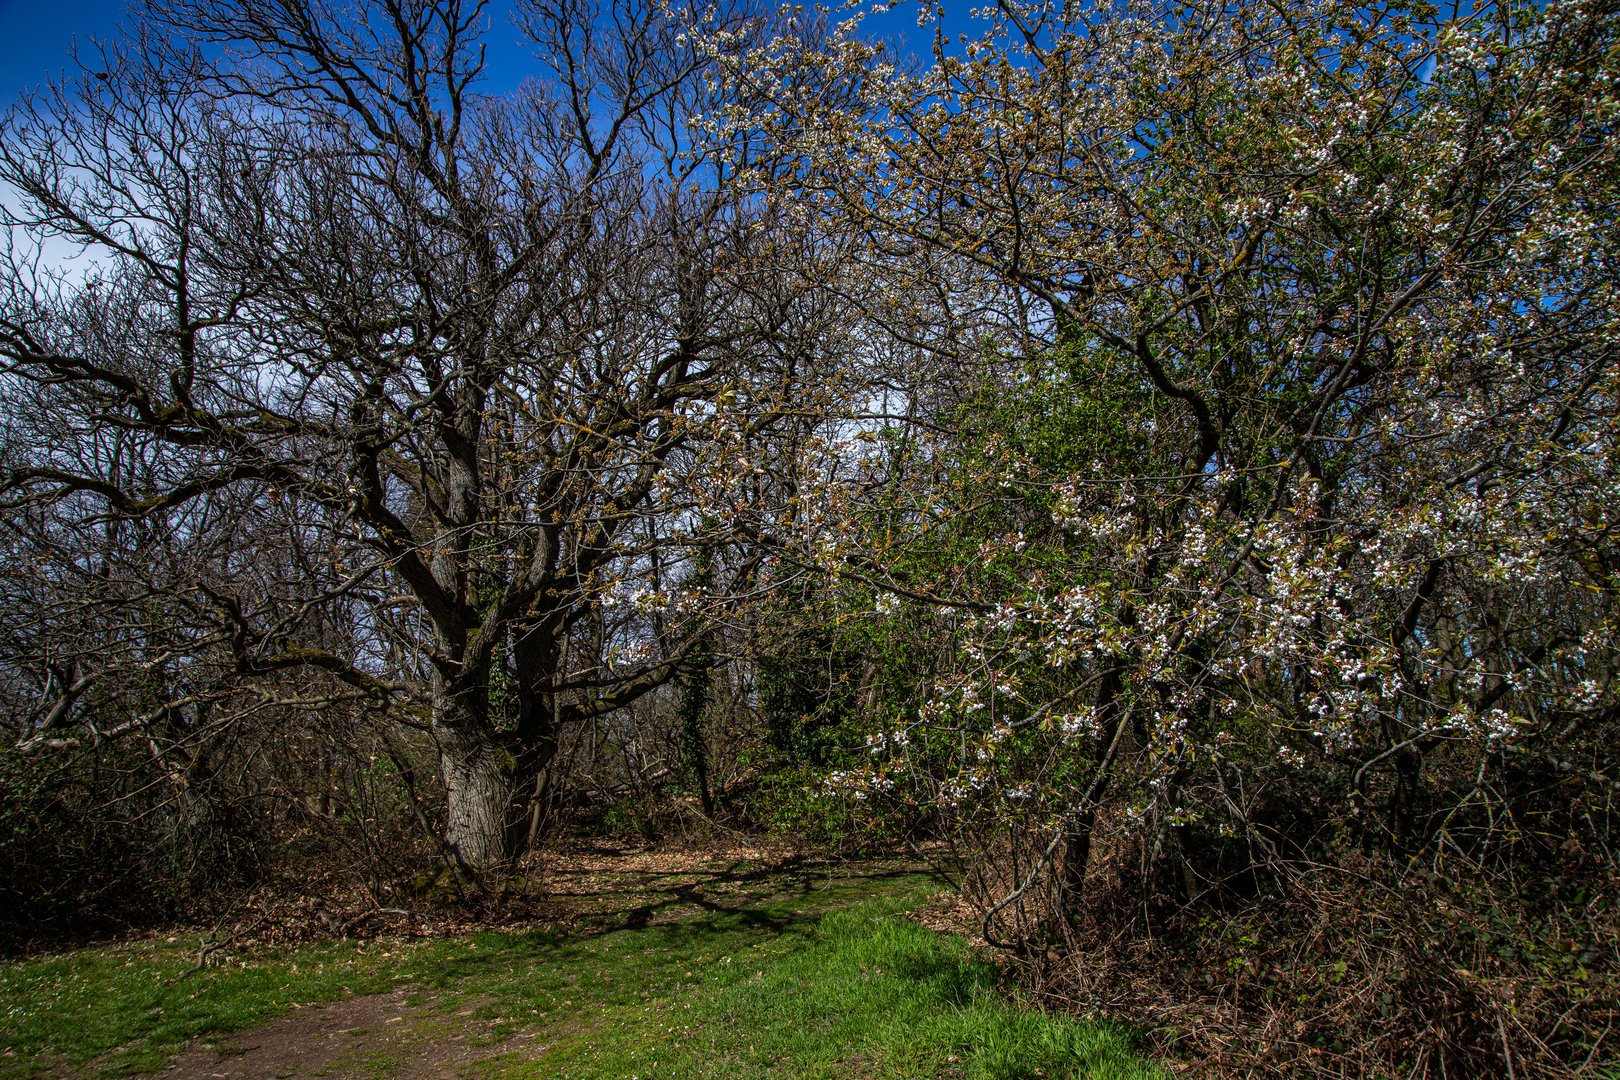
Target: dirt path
<point x="376" y="1036"/>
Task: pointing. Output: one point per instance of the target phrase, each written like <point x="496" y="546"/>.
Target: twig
<point x="1507" y="1052"/>
<point x="344" y="927"/>
<point x="210" y="945"/>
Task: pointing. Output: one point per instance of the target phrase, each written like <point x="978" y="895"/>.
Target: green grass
<point x="128" y="1006"/>
<point x="860" y="992"/>
<point x="830" y="982"/>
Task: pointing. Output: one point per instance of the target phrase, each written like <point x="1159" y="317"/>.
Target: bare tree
<point x="482" y="358"/>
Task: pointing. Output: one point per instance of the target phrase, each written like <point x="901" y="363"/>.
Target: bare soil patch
<point x="375" y="1036"/>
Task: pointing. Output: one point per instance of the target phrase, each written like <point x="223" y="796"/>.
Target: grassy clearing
<point x="828" y="981"/>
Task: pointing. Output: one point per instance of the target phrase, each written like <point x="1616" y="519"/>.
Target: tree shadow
<point x="721" y="895"/>
<point x="684" y="906"/>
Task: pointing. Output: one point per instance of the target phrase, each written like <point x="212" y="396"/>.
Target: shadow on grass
<point x="679" y="912"/>
<point x="792" y="876"/>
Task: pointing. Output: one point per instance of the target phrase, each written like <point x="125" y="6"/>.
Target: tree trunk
<point x="491" y="777"/>
<point x="479" y="784"/>
<point x="1081" y="822"/>
<point x="538" y="654"/>
<point x="477" y="773"/>
<point x="694" y="698"/>
<point x="535" y="749"/>
<point x="1077" y="857"/>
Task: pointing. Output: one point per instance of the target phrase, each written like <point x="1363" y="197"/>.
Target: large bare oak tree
<point x="487" y="360"/>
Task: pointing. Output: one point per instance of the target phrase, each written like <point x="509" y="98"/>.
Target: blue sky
<point x="36" y="36"/>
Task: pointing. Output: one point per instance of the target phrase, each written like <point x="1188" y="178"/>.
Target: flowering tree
<point x="1316" y="507"/>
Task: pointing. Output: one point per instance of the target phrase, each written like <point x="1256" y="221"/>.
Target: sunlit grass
<point x="829" y="982"/>
<point x="861" y="992"/>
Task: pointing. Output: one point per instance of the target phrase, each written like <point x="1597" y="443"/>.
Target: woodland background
<point x="1159" y="459"/>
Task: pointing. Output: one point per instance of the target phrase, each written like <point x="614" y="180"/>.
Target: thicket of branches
<point x="1168" y="451"/>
